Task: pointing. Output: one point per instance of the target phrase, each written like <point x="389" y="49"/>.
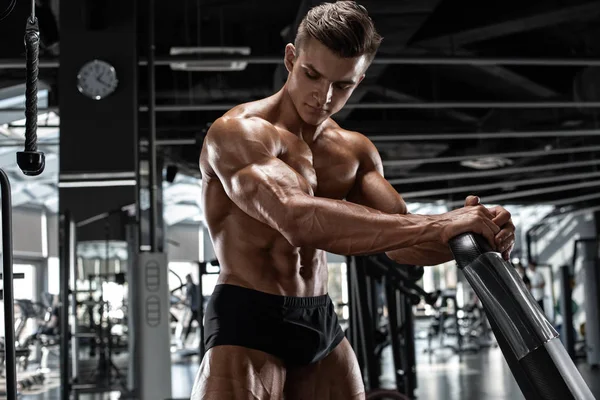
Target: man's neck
<point x="289" y="119"/>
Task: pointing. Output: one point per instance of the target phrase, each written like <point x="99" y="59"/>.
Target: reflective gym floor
<point x="442" y="375"/>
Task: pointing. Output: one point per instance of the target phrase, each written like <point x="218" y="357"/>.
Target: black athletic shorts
<point x="298" y="330"/>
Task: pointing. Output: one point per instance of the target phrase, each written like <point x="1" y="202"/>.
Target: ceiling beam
<point x="408" y="59"/>
<point x="288" y="35"/>
<point x="502" y="75"/>
<point x="504" y="185"/>
<point x="578" y="13"/>
<point x="530" y="193"/>
<point x="453" y="43"/>
<point x="569" y="201"/>
<point x="434" y="136"/>
<point x="495" y="172"/>
<point x="399" y="96"/>
<point x="386" y="106"/>
<point x="387" y="7"/>
<point x="401" y="37"/>
<point x="516" y="154"/>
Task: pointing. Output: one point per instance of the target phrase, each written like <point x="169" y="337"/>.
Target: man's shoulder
<point x="350" y="139"/>
<point x="236" y="133"/>
<point x="240" y="123"/>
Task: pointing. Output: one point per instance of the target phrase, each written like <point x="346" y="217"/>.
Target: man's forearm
<point x="425" y="254"/>
<point x="346" y="228"/>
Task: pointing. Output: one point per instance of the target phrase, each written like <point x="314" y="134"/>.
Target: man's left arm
<point x="373" y="190"/>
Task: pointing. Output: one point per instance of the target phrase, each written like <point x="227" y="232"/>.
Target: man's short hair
<point x="344" y="27"/>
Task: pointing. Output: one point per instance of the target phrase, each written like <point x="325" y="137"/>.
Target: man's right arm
<point x="243" y="154"/>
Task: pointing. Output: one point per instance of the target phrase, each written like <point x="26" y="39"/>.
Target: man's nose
<point x="323" y="94"/>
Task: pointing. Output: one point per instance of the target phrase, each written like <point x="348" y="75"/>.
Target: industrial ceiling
<point x="497" y="98"/>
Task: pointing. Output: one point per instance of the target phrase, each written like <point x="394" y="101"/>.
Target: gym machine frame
<point x="7" y="293"/>
<point x="592" y="300"/>
<point x="400" y="295"/>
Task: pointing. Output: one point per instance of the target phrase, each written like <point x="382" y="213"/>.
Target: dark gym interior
<point x="498" y="99"/>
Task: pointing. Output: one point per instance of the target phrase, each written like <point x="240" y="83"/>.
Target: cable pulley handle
<point x="31" y="161"/>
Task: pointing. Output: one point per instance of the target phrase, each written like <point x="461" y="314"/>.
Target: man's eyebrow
<point x="346" y="82"/>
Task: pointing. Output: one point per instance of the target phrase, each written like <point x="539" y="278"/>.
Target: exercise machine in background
<point x="178" y="300"/>
<point x="467" y="325"/>
<point x="585" y="260"/>
<point x="382" y="294"/>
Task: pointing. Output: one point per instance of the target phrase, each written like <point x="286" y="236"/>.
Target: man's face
<point x="319" y="81"/>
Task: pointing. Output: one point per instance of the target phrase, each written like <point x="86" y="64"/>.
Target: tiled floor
<point x="441" y="376"/>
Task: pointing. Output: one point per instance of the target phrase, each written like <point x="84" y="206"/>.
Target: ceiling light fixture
<point x="207" y="64"/>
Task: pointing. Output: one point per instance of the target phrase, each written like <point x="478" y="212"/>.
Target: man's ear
<point x="290" y="57"/>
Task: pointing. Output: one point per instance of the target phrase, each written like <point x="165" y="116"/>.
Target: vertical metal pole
<point x="138" y="188"/>
<point x="7" y="277"/>
<point x="133" y="297"/>
<point x="410" y="366"/>
<point x="153" y="221"/>
<point x="137" y="156"/>
<point x="64" y="305"/>
<point x="391" y="299"/>
<point x="201" y="269"/>
<point x="366" y="322"/>
<point x="567" y="310"/>
<point x="72" y="281"/>
<point x="459" y="337"/>
<point x="529" y="244"/>
<point x="356" y="319"/>
<point x="352" y="314"/>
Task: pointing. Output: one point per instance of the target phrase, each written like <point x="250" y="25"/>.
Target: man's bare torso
<point x="255" y="255"/>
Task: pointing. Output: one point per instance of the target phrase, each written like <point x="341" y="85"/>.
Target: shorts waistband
<point x="273" y="299"/>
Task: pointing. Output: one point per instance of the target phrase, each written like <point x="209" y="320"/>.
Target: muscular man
<point x="282" y="185"/>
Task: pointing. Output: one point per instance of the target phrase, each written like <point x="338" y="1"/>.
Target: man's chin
<point x="315" y="119"/>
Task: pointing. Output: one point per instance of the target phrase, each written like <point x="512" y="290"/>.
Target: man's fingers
<point x="472" y="201"/>
<point x="504" y="239"/>
<point x="488" y="233"/>
<point x="506" y="253"/>
<point x="487" y="213"/>
<point x="491" y="232"/>
<point x="501" y="215"/>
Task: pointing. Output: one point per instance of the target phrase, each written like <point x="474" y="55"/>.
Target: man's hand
<point x="505" y="239"/>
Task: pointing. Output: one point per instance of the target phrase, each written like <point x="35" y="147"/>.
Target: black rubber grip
<point x="466" y="247"/>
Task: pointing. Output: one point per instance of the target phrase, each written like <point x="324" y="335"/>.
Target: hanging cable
<point x="31" y="161"/>
<point x="9" y="9"/>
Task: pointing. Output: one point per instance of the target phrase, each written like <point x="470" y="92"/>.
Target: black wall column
<point x="97" y="136"/>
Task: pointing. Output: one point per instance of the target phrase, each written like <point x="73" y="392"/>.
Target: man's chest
<point x="329" y="169"/>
